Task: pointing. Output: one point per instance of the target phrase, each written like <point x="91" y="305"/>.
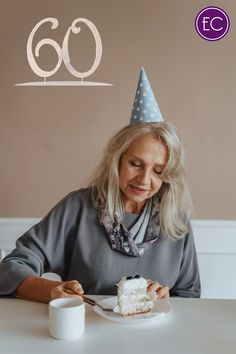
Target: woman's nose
<point x="144" y="177"/>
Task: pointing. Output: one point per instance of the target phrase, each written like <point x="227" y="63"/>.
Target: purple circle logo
<point x="212" y="23"/>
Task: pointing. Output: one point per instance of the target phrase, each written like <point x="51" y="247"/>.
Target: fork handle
<point x="88" y="300"/>
<point x="85" y="298"/>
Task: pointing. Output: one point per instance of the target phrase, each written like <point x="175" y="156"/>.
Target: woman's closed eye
<point x="158" y="172"/>
<point x="135" y="163"/>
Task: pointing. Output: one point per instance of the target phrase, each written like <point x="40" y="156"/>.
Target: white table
<point x="193" y="327"/>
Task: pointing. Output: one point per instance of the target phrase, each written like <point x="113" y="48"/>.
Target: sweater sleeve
<point x="188" y="283"/>
<point x="42" y="248"/>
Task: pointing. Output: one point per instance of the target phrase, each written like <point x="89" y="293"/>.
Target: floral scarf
<point x="123" y="240"/>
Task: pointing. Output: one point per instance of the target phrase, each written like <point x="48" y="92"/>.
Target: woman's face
<point x="140" y="171"/>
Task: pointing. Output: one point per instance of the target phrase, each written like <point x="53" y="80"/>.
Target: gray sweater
<point x="71" y="242"/>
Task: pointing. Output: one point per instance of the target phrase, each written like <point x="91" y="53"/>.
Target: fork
<point x="92" y="302"/>
<point x="88" y="300"/>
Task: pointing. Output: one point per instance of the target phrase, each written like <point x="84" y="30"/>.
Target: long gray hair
<point x="174" y="197"/>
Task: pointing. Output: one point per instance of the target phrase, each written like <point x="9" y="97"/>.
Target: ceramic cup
<point x="66" y="318"/>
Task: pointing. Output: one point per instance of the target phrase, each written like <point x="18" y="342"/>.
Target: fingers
<point x="153" y="287"/>
<point x="65" y="294"/>
<point x="163" y="293"/>
<point x="56" y="292"/>
<point x="157" y="291"/>
<point x="74" y="286"/>
<point x="71" y="288"/>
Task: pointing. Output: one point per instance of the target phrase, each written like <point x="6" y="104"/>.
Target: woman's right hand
<point x="70" y="288"/>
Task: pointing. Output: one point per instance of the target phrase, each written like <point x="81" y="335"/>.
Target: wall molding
<point x="215" y="236"/>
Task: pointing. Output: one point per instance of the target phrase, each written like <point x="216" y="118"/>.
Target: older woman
<point x="133" y="218"/>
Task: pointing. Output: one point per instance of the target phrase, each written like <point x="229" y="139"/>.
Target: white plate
<point x="161" y="308"/>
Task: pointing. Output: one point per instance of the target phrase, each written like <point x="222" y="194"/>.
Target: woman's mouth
<point x="137" y="190"/>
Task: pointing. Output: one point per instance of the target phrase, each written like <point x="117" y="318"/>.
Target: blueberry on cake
<point x="132" y="296"/>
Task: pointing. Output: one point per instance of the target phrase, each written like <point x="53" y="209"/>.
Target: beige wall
<point x="50" y="138"/>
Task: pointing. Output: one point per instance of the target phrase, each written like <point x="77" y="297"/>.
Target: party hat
<point x="145" y="108"/>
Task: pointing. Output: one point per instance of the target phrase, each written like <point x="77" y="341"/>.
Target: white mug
<point x="66" y="318"/>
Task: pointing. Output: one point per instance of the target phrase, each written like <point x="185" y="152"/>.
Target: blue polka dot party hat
<point x="145" y="108"/>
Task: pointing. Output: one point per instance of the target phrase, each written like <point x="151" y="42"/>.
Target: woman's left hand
<point x="157" y="291"/>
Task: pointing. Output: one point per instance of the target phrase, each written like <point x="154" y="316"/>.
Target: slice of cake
<point x="132" y="296"/>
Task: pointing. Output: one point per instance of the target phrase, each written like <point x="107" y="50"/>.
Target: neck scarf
<point x="142" y="235"/>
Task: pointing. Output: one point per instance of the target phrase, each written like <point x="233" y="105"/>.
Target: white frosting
<point x="133" y="297"/>
<point x="127" y="286"/>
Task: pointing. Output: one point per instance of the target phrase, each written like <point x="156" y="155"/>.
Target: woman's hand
<point x="157" y="291"/>
<point x="70" y="288"/>
<point x="40" y="289"/>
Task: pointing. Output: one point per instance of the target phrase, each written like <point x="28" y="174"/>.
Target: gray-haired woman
<point x="132" y="218"/>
